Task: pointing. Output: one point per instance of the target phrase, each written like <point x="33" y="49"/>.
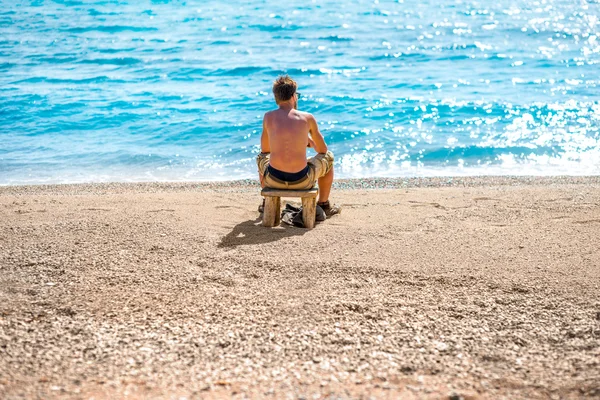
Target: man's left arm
<point x="264" y="138"/>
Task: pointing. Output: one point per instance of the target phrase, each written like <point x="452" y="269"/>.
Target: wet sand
<point x="422" y="288"/>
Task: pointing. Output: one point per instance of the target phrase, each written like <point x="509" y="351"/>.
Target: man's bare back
<point x="286" y="136"/>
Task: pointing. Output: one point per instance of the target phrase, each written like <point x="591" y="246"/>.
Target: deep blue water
<point x="175" y="90"/>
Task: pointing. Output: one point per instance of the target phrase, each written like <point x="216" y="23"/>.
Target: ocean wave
<point x="239" y="71"/>
<point x="5" y="66"/>
<point x="275" y="28"/>
<point x="417" y="57"/>
<point x="40" y="58"/>
<point x="6" y="21"/>
<point x="337" y="38"/>
<point x="111" y="29"/>
<point x="193" y="19"/>
<point x="115" y="51"/>
<point x="95" y="79"/>
<point x="96" y="13"/>
<point x="112" y="61"/>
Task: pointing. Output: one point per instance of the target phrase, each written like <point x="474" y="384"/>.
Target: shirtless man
<point x="287" y="132"/>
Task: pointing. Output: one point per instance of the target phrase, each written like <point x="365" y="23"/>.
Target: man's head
<point x="284" y="89"/>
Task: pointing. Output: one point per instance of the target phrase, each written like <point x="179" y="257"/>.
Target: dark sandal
<point x="261" y="208"/>
<point x="330" y="210"/>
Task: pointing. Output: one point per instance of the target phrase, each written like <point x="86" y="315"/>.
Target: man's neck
<point x="287" y="106"/>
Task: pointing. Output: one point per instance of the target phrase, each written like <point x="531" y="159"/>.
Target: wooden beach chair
<point x="272" y="212"/>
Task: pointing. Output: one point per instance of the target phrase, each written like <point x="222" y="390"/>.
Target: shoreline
<point x="246" y="185"/>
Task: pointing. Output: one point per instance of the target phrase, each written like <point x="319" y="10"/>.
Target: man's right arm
<point x="313" y="128"/>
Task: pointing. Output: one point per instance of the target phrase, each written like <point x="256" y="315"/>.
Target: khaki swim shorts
<point x="318" y="166"/>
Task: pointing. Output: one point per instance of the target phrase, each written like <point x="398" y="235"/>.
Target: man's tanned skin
<point x="286" y="134"/>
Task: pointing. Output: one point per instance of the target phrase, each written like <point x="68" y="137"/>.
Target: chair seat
<point x="269" y="192"/>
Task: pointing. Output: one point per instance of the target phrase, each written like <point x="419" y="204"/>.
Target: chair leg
<point x="271" y="215"/>
<point x="278" y="211"/>
<point x="309" y="212"/>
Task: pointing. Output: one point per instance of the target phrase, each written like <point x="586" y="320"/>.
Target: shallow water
<point x="175" y="90"/>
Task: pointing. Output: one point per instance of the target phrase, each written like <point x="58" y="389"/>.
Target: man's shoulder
<point x="306" y="115"/>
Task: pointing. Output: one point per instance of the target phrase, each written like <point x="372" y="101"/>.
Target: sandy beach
<point x="422" y="288"/>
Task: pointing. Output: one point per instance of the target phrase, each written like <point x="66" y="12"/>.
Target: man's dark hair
<point x="284" y="88"/>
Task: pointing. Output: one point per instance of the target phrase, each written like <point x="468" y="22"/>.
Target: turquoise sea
<point x="175" y="90"/>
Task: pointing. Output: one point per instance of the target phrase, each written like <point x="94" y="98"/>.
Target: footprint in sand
<point x="425" y="204"/>
<point x="587" y="221"/>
